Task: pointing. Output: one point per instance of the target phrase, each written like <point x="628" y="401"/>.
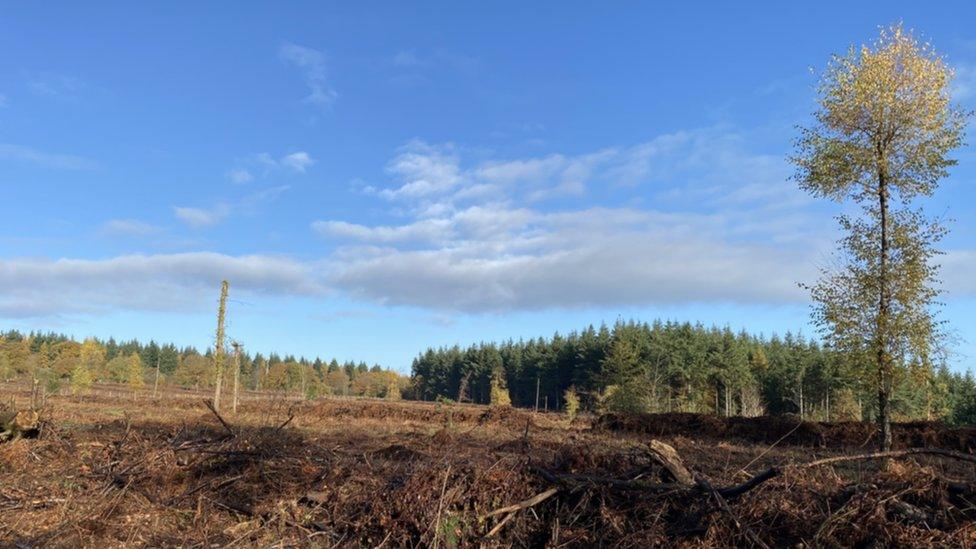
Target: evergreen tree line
<point x="670" y="366"/>
<point x="58" y="361"/>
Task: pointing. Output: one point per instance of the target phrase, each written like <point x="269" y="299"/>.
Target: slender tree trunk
<point x="728" y="401"/>
<point x="537" y="394"/>
<point x="801" y="398"/>
<point x="219" y="345"/>
<point x="156" y="380"/>
<point x="237" y="374"/>
<point x="883" y="363"/>
<point x="827" y="403"/>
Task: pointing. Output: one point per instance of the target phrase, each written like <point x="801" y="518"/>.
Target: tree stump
<point x="668" y="457"/>
<point x="13" y="424"/>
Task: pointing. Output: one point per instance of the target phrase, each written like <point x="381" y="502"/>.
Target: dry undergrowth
<point x="105" y="472"/>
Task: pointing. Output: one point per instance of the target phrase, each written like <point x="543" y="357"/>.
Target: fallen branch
<point x="892" y="454"/>
<point x="575" y="481"/>
<point x="286" y="422"/>
<point x="733" y="492"/>
<point x="534" y="500"/>
<point x="511" y="510"/>
<point x="501" y="524"/>
<point x="222" y="422"/>
<point x="703" y="482"/>
<point x="667" y="457"/>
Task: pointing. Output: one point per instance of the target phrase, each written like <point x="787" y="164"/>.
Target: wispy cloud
<point x="249" y="204"/>
<point x="53" y="84"/>
<point x="240" y="175"/>
<point x="252" y="202"/>
<point x="312" y="63"/>
<point x="51" y="160"/>
<point x="129" y="227"/>
<point x="202" y="217"/>
<point x="265" y="164"/>
<point x="478" y="237"/>
<point x="408" y="59"/>
<point x="412" y="68"/>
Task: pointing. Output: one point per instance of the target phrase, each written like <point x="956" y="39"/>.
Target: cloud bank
<point x="163" y="282"/>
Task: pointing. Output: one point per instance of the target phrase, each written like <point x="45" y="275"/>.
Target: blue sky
<point x="375" y="179"/>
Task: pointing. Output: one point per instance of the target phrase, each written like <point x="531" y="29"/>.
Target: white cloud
<point x="202" y="217"/>
<point x="627" y="270"/>
<point x="297" y="161"/>
<point x="424" y="170"/>
<point x="422" y="231"/>
<point x="498" y="259"/>
<point x="264" y="165"/>
<point x="692" y="165"/>
<point x="240" y="175"/>
<point x="312" y="63"/>
<point x="129" y="227"/>
<point x="165" y="282"/>
<point x="59" y="161"/>
<point x="727" y="226"/>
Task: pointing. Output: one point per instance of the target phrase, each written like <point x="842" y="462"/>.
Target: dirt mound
<point x="788" y="430"/>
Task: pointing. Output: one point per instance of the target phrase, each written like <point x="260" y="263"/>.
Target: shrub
<point x="499" y="392"/>
<point x="572" y="402"/>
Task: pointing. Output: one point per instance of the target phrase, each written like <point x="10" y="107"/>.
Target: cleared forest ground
<point x="111" y="470"/>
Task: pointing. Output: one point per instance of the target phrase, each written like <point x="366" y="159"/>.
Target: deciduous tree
<point x="881" y="138"/>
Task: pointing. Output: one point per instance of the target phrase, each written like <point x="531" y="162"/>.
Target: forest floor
<point x="110" y="469"/>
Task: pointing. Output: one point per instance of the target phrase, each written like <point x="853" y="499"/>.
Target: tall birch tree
<point x="882" y="135"/>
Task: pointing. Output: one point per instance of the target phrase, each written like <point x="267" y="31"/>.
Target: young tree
<point x="219" y="345"/>
<point x="498" y="394"/>
<point x="133" y="372"/>
<point x="883" y="132"/>
<point x="81" y="379"/>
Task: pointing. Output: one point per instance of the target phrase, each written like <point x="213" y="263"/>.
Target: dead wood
<point x="512" y="509"/>
<point x="216" y="413"/>
<point x="702" y="481"/>
<point x="893" y="454"/>
<point x="15" y="424"/>
<point x="669" y="459"/>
